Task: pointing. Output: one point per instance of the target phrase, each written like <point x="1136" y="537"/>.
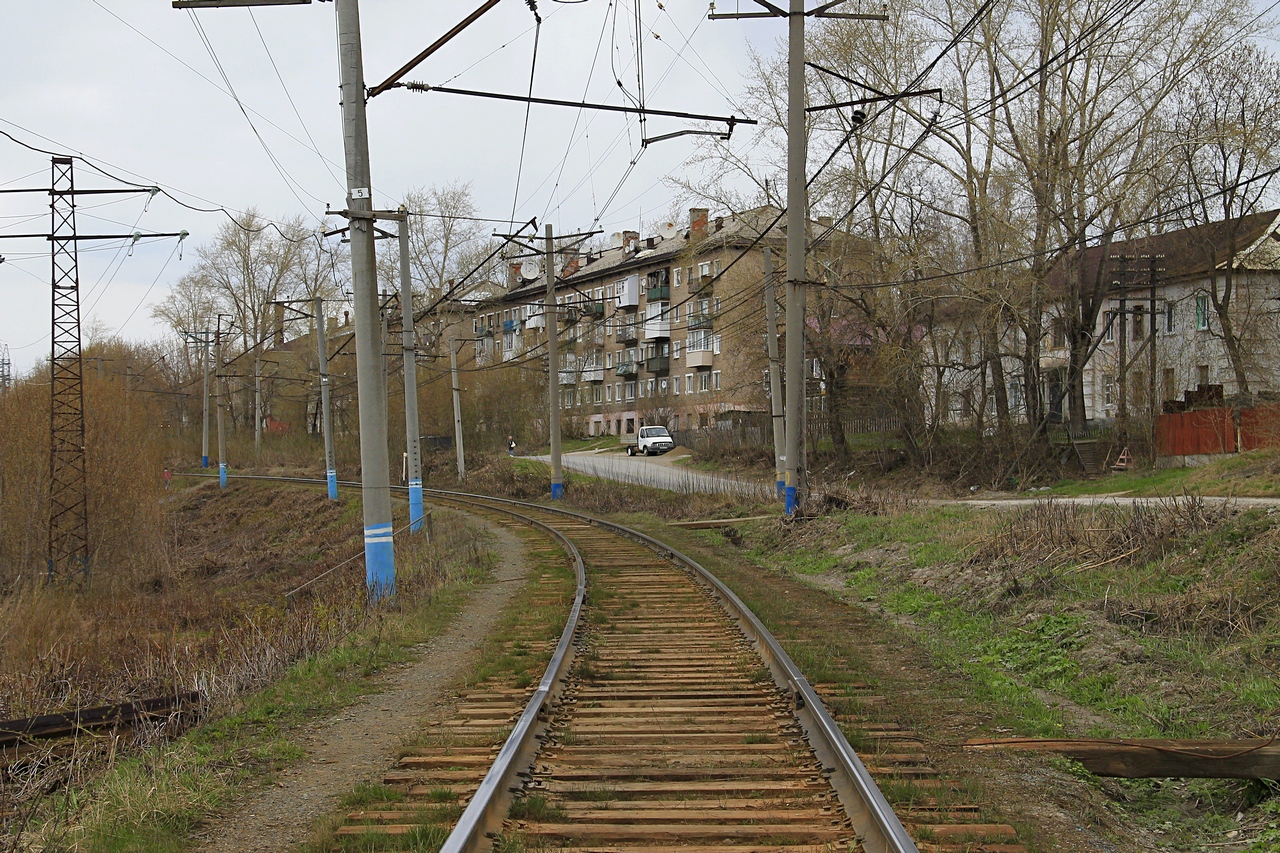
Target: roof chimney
<point x="513" y="274"/>
<point x="697" y="223"/>
<point x="279" y="326"/>
<point x="631" y="241"/>
<point x="719" y="222"/>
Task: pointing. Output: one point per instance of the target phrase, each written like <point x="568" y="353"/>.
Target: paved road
<point x="659" y="472"/>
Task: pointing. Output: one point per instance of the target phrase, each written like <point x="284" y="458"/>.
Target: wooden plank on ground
<point x="1146" y="758"/>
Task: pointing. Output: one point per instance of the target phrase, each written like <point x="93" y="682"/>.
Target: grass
<point x="1255" y="473"/>
<point x="153" y="801"/>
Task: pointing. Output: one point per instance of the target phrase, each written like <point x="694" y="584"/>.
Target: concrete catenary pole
<point x="204" y="437"/>
<point x="412" y="440"/>
<point x="326" y="418"/>
<point x="257" y="405"/>
<point x="457" y="409"/>
<point x="375" y="471"/>
<point x="222" y="405"/>
<point x="553" y="370"/>
<point x="797" y="149"/>
<point x="775" y="377"/>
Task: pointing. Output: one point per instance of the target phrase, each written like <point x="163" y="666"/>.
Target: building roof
<point x="1247" y="242"/>
<point x="721" y="232"/>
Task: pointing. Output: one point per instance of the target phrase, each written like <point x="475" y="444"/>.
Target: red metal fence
<point x="1194" y="433"/>
<point x="1206" y="431"/>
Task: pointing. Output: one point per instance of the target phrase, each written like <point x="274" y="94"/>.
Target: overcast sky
<point x="130" y="85"/>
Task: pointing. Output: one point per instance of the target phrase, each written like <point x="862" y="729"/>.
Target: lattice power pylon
<point x="6" y="368"/>
<point x="68" y="505"/>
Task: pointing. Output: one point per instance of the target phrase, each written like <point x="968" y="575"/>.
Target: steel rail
<point x="878" y="827"/>
<point x="874" y="820"/>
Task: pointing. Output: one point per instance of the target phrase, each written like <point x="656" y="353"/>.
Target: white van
<point x="651" y="441"/>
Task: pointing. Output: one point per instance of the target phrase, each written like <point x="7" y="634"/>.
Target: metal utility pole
<point x="457" y="408"/>
<point x="222" y="405"/>
<point x="68" y="498"/>
<point x="410" y="346"/>
<point x="322" y="346"/>
<point x="6" y="368"/>
<point x="775" y="379"/>
<point x="553" y="369"/>
<point x="375" y="470"/>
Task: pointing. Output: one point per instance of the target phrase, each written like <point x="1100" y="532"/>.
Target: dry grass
<point x="1049" y="539"/>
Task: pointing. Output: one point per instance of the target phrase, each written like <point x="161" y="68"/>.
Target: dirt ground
<point x="360" y="743"/>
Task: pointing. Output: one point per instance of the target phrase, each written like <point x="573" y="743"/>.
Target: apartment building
<point x="663" y="329"/>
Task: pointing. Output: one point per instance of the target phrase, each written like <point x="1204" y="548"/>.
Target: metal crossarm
<point x="68" y="511"/>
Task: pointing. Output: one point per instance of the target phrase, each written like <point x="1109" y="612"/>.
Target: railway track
<point x="669" y="720"/>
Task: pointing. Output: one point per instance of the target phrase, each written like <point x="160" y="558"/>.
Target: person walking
<point x="168" y="479"/>
<point x="511" y="445"/>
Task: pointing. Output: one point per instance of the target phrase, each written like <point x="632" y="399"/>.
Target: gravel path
<point x="361" y="742"/>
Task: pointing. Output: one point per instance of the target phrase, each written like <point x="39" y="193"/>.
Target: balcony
<point x="700" y="321"/>
<point x="657" y="327"/>
<point x="593" y="310"/>
<point x="697" y="358"/>
<point x="593" y="374"/>
<point x="658" y="294"/>
<point x="510" y="325"/>
<point x="535" y="322"/>
<point x="702" y="285"/>
<point x="626" y="368"/>
<point x="568" y="377"/>
<point x="658" y="364"/>
<point x="625" y="334"/>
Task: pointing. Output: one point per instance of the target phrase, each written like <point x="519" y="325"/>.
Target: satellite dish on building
<point x="668" y="230"/>
<point x="530" y="270"/>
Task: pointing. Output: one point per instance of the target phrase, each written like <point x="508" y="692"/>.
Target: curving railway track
<point x="669" y="720"/>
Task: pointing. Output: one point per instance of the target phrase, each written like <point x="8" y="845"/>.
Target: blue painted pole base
<point x="557" y="491"/>
<point x="415" y="506"/>
<point x="332" y="477"/>
<point x="204" y="461"/>
<point x="222" y="475"/>
<point x="782" y="488"/>
<point x="791" y="500"/>
<point x="379" y="562"/>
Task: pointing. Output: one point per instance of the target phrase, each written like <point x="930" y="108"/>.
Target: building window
<point x="688" y="383"/>
<point x="704" y="269"/>
<point x="715" y="344"/>
<point x="597" y="394"/>
<point x="630" y="388"/>
<point x="675" y="349"/>
<point x="675" y="312"/>
<point x="1108" y="391"/>
<point x="1202" y="312"/>
<point x="675" y="384"/>
<point x="1109" y="326"/>
<point x="704" y="382"/>
<point x="617" y="391"/>
<point x="715" y="267"/>
<point x="663" y="387"/>
<point x="1168" y="317"/>
<point x="1202" y="374"/>
<point x="679" y="276"/>
<point x="1058" y="333"/>
<point x="608" y="393"/>
<point x="1139" y="324"/>
<point x="715" y="380"/>
<point x="649" y="388"/>
<point x="716" y="302"/>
